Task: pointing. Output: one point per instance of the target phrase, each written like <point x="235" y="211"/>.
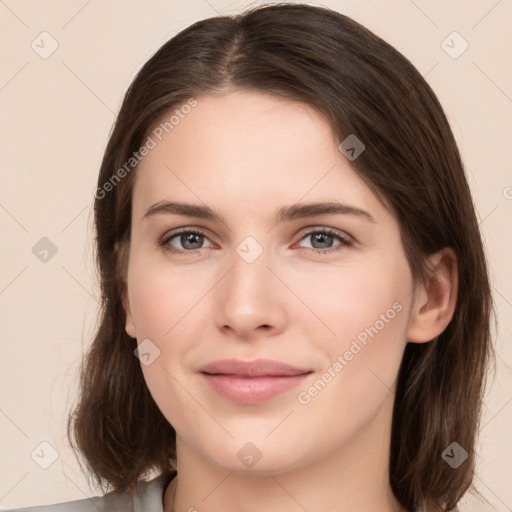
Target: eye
<point x="190" y="240"/>
<point x="324" y="238"/>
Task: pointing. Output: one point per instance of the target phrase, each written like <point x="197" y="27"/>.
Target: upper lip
<point x="255" y="368"/>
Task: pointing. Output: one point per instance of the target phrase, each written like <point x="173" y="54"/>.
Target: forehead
<point x="248" y="148"/>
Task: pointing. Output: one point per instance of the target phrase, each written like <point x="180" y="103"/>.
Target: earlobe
<point x="130" y="327"/>
<point x="434" y="303"/>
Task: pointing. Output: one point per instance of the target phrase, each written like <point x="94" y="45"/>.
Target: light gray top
<point x="146" y="497"/>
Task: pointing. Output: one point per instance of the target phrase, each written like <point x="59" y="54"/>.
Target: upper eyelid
<point x="180" y="231"/>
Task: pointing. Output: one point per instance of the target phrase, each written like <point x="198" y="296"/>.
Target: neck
<point x="354" y="477"/>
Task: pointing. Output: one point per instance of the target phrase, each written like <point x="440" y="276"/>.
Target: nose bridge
<point x="250" y="273"/>
<point x="248" y="296"/>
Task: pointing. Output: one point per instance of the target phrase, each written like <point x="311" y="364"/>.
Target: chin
<point x="258" y="457"/>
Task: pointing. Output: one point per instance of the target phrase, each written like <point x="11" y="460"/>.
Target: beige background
<point x="56" y="114"/>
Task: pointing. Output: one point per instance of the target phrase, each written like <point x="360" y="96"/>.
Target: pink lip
<point x="252" y="382"/>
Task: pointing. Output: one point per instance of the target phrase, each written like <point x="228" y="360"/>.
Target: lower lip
<point x="252" y="390"/>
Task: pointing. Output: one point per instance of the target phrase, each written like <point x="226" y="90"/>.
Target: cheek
<point x="162" y="302"/>
<point x="357" y="298"/>
<point x="362" y="362"/>
<point x="367" y="308"/>
<point x="161" y="298"/>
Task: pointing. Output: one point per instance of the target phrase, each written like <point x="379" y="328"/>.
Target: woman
<point x="294" y="287"/>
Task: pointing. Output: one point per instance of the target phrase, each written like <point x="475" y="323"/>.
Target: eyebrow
<point x="286" y="213"/>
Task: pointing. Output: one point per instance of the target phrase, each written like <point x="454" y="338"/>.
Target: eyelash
<point x="345" y="241"/>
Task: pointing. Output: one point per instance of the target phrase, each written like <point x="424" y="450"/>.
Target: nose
<point x="250" y="298"/>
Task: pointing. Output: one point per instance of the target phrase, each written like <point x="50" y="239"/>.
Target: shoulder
<point x="146" y="497"/>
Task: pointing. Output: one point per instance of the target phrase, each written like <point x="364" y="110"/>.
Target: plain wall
<point x="55" y="117"/>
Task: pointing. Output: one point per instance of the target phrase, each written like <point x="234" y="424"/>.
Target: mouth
<point x="252" y="382"/>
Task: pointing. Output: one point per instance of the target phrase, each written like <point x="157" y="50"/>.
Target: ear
<point x="130" y="327"/>
<point x="434" y="302"/>
<point x="121" y="253"/>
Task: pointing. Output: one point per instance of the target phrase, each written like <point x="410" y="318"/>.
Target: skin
<point x="246" y="154"/>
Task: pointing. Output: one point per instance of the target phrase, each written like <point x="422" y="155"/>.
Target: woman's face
<point x="263" y="282"/>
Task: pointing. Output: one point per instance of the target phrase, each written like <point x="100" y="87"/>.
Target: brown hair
<point x="362" y="86"/>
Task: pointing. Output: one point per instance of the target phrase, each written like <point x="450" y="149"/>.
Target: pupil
<point x="190" y="237"/>
<point x="323" y="236"/>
